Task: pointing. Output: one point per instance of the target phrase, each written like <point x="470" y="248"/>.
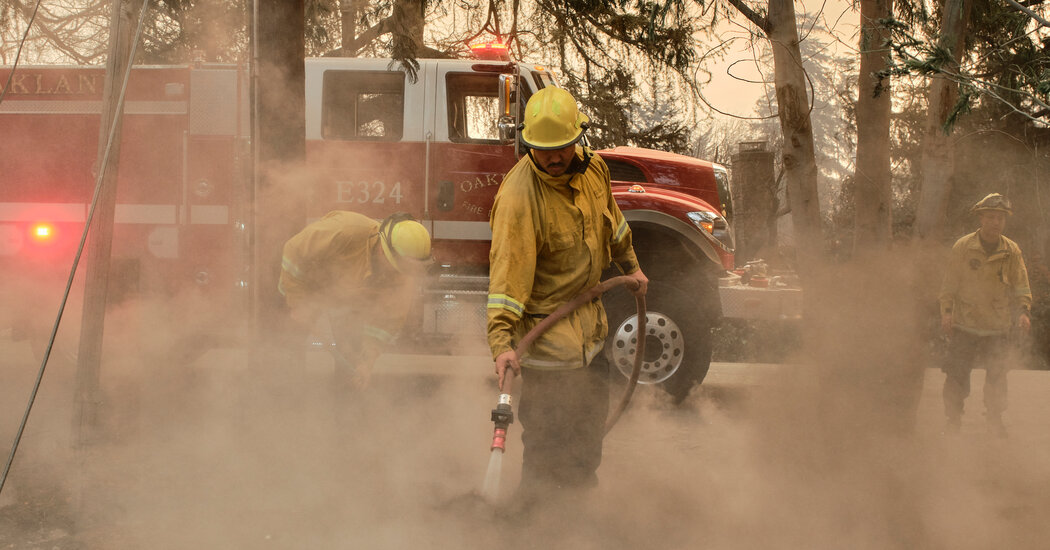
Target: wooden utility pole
<point x="279" y="124"/>
<point x="89" y="358"/>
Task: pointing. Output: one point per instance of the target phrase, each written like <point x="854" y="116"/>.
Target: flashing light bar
<point x="495" y="51"/>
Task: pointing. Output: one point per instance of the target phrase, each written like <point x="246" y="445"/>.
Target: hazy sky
<point x="736" y="82"/>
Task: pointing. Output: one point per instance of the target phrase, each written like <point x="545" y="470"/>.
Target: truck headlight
<point x="716" y="226"/>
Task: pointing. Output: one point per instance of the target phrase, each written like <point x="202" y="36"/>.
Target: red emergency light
<point x="492" y="51"/>
<point x="42" y="233"/>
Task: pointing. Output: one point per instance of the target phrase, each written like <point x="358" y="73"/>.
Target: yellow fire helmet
<point x="552" y="120"/>
<point x="993" y="201"/>
<point x="406" y="243"/>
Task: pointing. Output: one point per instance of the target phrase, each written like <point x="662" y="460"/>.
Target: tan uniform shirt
<point x="985" y="292"/>
<point x="328" y="266"/>
<point x="551" y="239"/>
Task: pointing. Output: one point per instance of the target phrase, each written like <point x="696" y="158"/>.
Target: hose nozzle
<point x="502" y="417"/>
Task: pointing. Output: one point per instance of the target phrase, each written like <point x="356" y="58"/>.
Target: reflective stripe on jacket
<point x="328" y="265"/>
<point x="551" y="239"/>
<point x="984" y="292"/>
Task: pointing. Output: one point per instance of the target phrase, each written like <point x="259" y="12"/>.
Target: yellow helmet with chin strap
<point x="405" y="243"/>
<point x="552" y="120"/>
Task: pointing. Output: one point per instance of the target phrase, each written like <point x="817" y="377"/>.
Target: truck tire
<point x="678" y="344"/>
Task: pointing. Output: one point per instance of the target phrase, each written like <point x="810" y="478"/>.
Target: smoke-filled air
<point x="325" y="231"/>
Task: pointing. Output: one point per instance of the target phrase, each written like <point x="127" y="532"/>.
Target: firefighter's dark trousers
<point x="965" y="351"/>
<point x="562" y="415"/>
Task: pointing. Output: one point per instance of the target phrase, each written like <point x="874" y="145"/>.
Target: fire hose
<point x="503" y="416"/>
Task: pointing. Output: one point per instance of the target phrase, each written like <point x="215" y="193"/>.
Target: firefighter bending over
<point x="555" y="228"/>
<point x="359" y="272"/>
<point x="985" y="290"/>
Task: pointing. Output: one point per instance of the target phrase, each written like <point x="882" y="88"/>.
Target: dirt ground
<point x="223" y="454"/>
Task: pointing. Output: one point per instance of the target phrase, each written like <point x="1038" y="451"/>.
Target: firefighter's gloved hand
<point x="643" y="283"/>
<point x="504" y="361"/>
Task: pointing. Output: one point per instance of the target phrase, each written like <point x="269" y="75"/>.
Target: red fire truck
<point x="378" y="141"/>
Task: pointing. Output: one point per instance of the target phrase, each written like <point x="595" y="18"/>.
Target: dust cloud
<point x="839" y="447"/>
<point x="211" y="445"/>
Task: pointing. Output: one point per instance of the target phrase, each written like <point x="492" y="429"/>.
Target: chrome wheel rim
<point x="665" y="347"/>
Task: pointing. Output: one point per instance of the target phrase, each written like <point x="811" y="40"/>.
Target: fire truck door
<point x="468" y="160"/>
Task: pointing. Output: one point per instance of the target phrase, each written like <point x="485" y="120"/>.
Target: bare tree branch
<point x="758" y="19"/>
<point x="384" y="26"/>
<point x="53" y="38"/>
<point x="1030" y="13"/>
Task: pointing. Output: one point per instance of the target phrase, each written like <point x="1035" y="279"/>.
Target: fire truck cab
<point x="379" y="140"/>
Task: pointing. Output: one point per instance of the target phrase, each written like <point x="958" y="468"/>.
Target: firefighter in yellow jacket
<point x="985" y="290"/>
<point x="555" y="228"/>
<point x="360" y="273"/>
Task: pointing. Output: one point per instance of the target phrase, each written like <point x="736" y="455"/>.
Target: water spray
<point x="502" y="418"/>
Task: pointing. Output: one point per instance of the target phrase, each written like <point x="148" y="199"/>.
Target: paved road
<point x="224" y="454"/>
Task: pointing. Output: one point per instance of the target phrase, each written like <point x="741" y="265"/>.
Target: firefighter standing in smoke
<point x="985" y="290"/>
<point x="361" y="273"/>
<point x="555" y="227"/>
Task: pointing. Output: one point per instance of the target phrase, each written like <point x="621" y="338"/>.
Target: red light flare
<point x="42" y="233"/>
<point x="493" y="51"/>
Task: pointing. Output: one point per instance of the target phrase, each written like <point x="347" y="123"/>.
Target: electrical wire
<point x="18" y="54"/>
<point x="83" y="239"/>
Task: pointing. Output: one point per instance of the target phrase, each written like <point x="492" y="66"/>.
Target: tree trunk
<point x="938" y="166"/>
<point x="408" y="29"/>
<point x="280" y="146"/>
<point x="800" y="165"/>
<point x="872" y="196"/>
<point x="866" y="383"/>
<point x="881" y="345"/>
<point x="350" y="10"/>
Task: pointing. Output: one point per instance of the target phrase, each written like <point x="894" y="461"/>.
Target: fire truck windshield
<point x="544" y="78"/>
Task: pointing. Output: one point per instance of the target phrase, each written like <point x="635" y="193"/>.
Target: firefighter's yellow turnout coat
<point x="984" y="292"/>
<point x="552" y="236"/>
<point x="329" y="267"/>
